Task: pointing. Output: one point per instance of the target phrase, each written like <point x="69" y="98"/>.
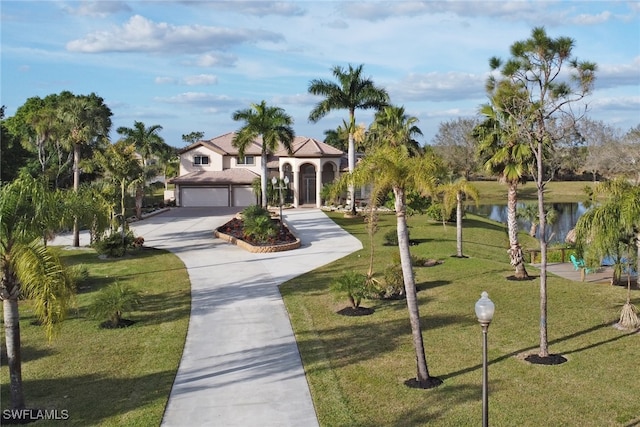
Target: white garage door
<point x="200" y="196"/>
<point x="243" y="196"/>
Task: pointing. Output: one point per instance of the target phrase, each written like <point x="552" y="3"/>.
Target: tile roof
<point x="227" y="176"/>
<point x="302" y="146"/>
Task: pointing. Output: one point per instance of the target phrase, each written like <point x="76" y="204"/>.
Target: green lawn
<point x="492" y="192"/>
<point x="356" y="366"/>
<point x="109" y="377"/>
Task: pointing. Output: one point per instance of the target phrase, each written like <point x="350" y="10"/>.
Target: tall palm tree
<point x="390" y="165"/>
<point x="453" y="195"/>
<point x="146" y="139"/>
<point x="148" y="143"/>
<point x="271" y="124"/>
<point x="28" y="269"/>
<point x="352" y="91"/>
<point x="85" y="120"/>
<point x="507" y="157"/>
<point x="393" y="126"/>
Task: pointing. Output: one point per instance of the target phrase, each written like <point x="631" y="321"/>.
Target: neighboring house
<point x="212" y="174"/>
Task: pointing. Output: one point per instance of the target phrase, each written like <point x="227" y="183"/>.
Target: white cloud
<point x="164" y="80"/>
<point x="614" y="75"/>
<point x="212" y="59"/>
<point x="98" y="8"/>
<point x="199" y="99"/>
<point x="437" y="86"/>
<point x="139" y="34"/>
<point x="257" y="8"/>
<point x="200" y="80"/>
<point x="588" y="19"/>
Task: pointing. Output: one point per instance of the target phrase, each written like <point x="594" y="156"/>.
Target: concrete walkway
<point x="241" y="365"/>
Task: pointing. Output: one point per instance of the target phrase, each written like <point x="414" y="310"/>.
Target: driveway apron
<point x="241" y="365"/>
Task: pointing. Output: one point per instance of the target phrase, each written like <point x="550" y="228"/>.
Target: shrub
<point x="257" y="224"/>
<point x="111" y="302"/>
<point x="78" y="274"/>
<point x="391" y="237"/>
<point x="113" y="245"/>
<point x="353" y="285"/>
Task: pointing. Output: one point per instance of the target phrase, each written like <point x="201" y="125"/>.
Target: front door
<point x="309" y="190"/>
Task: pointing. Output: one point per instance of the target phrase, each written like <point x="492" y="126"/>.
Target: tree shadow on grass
<point x="351" y="344"/>
<point x="551" y="343"/>
<point x="94" y="399"/>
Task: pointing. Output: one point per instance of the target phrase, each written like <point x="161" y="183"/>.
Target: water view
<point x="567" y="216"/>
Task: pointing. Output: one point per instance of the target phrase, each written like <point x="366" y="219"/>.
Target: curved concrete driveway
<point x="241" y="365"/>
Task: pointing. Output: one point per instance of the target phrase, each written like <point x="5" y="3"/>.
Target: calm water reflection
<point x="568" y="214"/>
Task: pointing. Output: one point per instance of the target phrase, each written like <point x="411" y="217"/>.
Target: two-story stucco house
<point x="212" y="173"/>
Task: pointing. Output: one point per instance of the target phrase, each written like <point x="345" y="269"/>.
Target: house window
<point x="246" y="160"/>
<point x="200" y="160"/>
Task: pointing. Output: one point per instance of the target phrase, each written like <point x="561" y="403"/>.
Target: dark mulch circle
<point x="518" y="279"/>
<point x="235" y="228"/>
<point x="123" y="323"/>
<point x="432" y="382"/>
<point x="357" y="311"/>
<point x="456" y="256"/>
<point x="552" y="359"/>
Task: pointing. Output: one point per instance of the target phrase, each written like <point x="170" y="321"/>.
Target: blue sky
<point x="188" y="65"/>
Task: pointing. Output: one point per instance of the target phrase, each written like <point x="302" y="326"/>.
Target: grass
<point x="492" y="192"/>
<point x="109" y="377"/>
<point x="356" y="366"/>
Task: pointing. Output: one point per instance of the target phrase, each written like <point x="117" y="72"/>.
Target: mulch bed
<point x="356" y="311"/>
<point x="235" y="227"/>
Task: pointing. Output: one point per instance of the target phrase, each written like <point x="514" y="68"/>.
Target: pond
<point x="568" y="214"/>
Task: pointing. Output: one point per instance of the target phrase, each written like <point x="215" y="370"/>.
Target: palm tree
<point x="352" y="91"/>
<point x="390" y="165"/>
<point x="453" y="195"/>
<point x="146" y="139"/>
<point x="508" y="158"/>
<point x="120" y="164"/>
<point x="609" y="229"/>
<point x="28" y="270"/>
<point x="148" y="144"/>
<point x="394" y="127"/>
<point x="271" y="124"/>
<point x="86" y="120"/>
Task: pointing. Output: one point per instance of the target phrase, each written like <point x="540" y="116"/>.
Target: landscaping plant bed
<point x="233" y="232"/>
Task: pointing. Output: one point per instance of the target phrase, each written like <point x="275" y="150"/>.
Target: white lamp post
<point x="484" y="311"/>
<point x="282" y="186"/>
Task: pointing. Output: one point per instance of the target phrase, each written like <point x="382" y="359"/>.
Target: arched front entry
<point x="307" y="185"/>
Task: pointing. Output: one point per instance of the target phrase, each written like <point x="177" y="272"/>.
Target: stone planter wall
<point x="257" y="249"/>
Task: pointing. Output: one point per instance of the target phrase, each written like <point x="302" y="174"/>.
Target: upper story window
<point x="200" y="160"/>
<point x="246" y="160"/>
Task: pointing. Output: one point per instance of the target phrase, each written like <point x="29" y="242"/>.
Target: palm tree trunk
<point x="352" y="165"/>
<point x="139" y="199"/>
<point x="459" y="224"/>
<point x="76" y="186"/>
<point x="410" y="288"/>
<point x="14" y="358"/>
<point x="263" y="180"/>
<point x="515" y="251"/>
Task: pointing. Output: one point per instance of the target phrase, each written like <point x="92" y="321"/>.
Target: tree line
<point x="530" y="128"/>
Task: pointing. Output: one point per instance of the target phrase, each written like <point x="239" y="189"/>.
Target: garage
<point x="243" y="196"/>
<point x="215" y="188"/>
<point x="204" y="196"/>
